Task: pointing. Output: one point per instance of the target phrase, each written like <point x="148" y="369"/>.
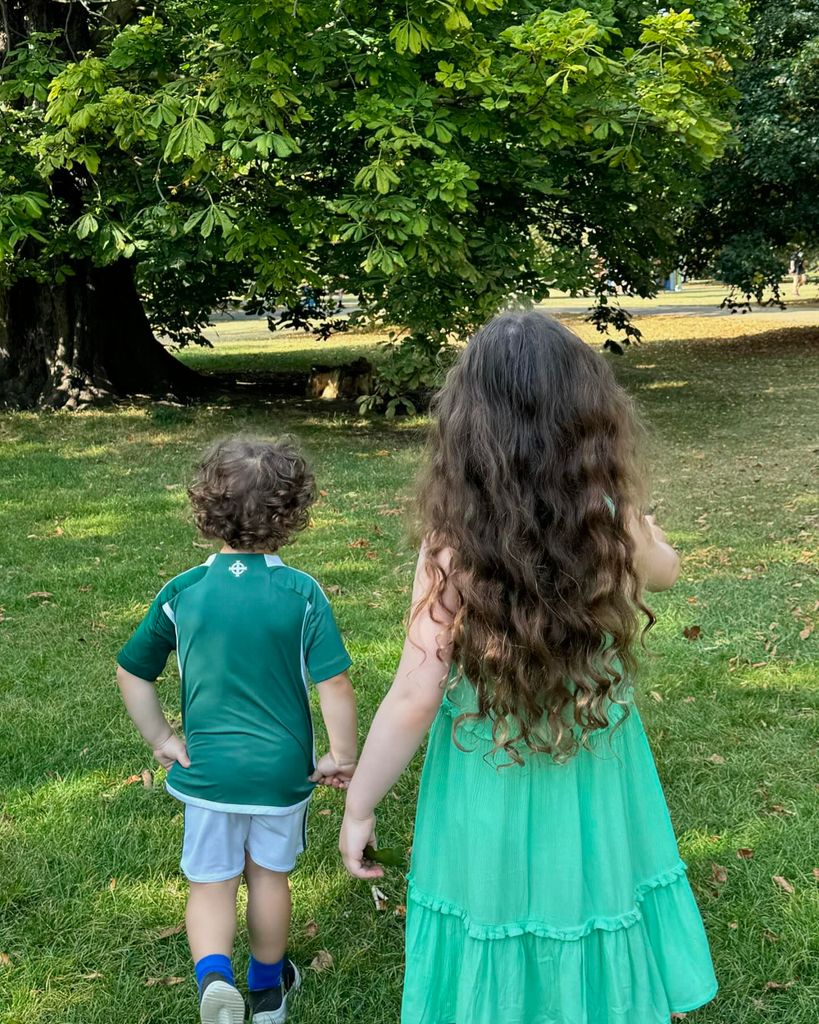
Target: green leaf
<point x="390" y="857"/>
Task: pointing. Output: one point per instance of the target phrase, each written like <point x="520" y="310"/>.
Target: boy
<point x="248" y="632"/>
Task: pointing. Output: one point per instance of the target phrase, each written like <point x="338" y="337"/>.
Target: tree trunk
<point x="69" y="344"/>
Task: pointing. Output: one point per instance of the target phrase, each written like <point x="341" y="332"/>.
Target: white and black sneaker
<point x="220" y="1002"/>
<point x="269" y="1005"/>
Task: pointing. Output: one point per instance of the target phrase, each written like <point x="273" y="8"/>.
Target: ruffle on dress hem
<point x="540" y="928"/>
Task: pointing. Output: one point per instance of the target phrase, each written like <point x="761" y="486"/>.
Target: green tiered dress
<point x="548" y="893"/>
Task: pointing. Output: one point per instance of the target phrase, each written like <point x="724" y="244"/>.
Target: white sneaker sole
<point x="279" y="1016"/>
<point x="222" y="1004"/>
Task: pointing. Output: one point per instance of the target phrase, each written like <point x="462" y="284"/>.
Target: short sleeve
<point x="324" y="650"/>
<point x="147" y="651"/>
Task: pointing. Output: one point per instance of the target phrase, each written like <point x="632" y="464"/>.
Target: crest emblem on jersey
<point x="237" y="568"/>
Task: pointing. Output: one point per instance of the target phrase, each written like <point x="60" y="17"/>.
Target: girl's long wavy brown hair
<point x="532" y="470"/>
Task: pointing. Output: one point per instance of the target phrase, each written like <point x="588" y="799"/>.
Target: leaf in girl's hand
<point x="390" y="857"/>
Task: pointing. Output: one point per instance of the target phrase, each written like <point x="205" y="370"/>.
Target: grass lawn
<point x="94" y="520"/>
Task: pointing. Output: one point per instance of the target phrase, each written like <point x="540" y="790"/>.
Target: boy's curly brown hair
<point x="251" y="493"/>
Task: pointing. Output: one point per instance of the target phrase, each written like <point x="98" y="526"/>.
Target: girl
<point x="546" y="886"/>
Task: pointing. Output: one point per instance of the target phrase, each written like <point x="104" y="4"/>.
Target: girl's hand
<point x="356" y="833"/>
<point x="330" y="773"/>
<point x="172" y="751"/>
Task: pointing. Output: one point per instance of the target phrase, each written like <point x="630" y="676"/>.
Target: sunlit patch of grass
<point x="734" y="729"/>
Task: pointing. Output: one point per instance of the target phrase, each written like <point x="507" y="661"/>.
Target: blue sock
<point x="260" y="976"/>
<point x="215" y="963"/>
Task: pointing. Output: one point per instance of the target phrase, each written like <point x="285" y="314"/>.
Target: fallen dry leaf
<point x="171" y="487"/>
<point x="325" y="812"/>
<point x="166" y="933"/>
<point x="770" y="936"/>
<point x="784" y="884"/>
<point x="805" y="633"/>
<point x="322" y="961"/>
<point x="311" y="929"/>
<point x="692" y="632"/>
<point x="383" y="452"/>
<point x="59" y="531"/>
<point x="678" y="1016"/>
<point x="689" y="700"/>
<point x="816" y="872"/>
<point x="5" y="960"/>
<point x="164" y="982"/>
<point x="400" y="911"/>
<point x="333" y="589"/>
<point x="656" y="696"/>
<point x="39" y="593"/>
<point x="733" y="925"/>
<point x="132" y="779"/>
<point x="719" y="874"/>
<point x="323" y="494"/>
<point x="716" y="759"/>
<point x="379" y="898"/>
<point x="745" y="853"/>
<point x="691" y="600"/>
<point x="778" y="986"/>
<point x="91" y="976"/>
<point x="147" y="777"/>
<point x="360" y="542"/>
<point x="112" y="885"/>
<point x="392" y="512"/>
<point x="85" y="589"/>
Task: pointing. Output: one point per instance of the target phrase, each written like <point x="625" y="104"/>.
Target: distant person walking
<point x="797" y="268"/>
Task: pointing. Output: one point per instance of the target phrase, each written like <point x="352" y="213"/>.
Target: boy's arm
<point x="143" y="706"/>
<point x="337" y="701"/>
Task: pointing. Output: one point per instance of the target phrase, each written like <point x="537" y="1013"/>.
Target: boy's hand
<point x="172" y="751"/>
<point x="356" y="833"/>
<point x="329" y="773"/>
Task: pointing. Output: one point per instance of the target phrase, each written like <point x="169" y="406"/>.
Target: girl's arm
<point x="401" y="722"/>
<point x="338" y="710"/>
<point x="657" y="563"/>
<point x="143" y="706"/>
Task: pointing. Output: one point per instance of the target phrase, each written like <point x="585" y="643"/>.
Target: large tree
<point x="761" y="201"/>
<point x="158" y="159"/>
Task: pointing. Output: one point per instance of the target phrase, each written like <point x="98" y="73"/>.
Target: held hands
<point x="172" y="751"/>
<point x="330" y="773"/>
<point x="356" y="833"/>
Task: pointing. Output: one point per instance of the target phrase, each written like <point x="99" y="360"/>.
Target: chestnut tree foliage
<point x="438" y="158"/>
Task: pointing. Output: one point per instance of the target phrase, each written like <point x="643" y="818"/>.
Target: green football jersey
<point x="249" y="632"/>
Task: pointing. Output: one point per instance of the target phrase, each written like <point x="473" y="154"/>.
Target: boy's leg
<point x="275" y="841"/>
<point x="212" y="860"/>
<point x="211" y="917"/>
<point x="268" y="912"/>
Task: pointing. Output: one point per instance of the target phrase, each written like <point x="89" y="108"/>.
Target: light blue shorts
<point x="216" y="842"/>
